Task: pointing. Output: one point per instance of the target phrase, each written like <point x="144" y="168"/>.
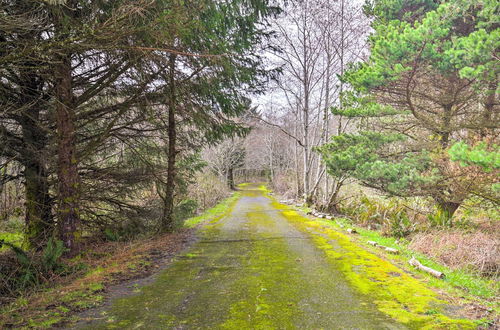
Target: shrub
<point x="207" y="190"/>
<point x="391" y="216"/>
<point x="440" y="218"/>
<point x="399" y="224"/>
<point x="20" y="270"/>
<point x="185" y="209"/>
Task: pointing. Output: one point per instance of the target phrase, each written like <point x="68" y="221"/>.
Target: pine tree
<point x="429" y="82"/>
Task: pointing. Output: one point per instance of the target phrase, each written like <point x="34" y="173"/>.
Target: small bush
<point x="391" y="216"/>
<point x="207" y="190"/>
<point x="440" y="219"/>
<point x="399" y="224"/>
<point x="20" y="270"/>
<point x="51" y="256"/>
<point x="185" y="209"/>
<point x="126" y="229"/>
<point x="284" y="184"/>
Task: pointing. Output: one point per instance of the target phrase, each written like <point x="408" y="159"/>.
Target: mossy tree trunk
<point x="38" y="217"/>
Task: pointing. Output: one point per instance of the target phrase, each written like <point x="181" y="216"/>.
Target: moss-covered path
<point x="263" y="266"/>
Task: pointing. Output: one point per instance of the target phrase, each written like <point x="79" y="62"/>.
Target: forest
<point x="128" y="125"/>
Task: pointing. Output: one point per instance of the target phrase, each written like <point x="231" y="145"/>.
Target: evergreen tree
<point x="88" y="85"/>
<point x="430" y="81"/>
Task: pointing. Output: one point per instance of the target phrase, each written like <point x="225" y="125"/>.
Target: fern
<point x="51" y="255"/>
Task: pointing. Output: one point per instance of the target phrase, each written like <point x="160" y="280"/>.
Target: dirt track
<point x="253" y="269"/>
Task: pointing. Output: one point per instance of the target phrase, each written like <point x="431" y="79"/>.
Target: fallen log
<point x="388" y="249"/>
<point x="415" y="263"/>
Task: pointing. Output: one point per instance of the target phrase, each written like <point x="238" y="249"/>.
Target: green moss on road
<point x="396" y="293"/>
<point x="263" y="266"/>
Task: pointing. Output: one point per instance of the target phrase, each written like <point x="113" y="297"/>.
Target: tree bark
<point x="230" y="178"/>
<point x="167" y="221"/>
<point x="489" y="104"/>
<point x="67" y="165"/>
<point x="332" y="205"/>
<point x="38" y="217"/>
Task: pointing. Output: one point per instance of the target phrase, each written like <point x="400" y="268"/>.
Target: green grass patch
<point x="471" y="284"/>
<point x="214" y="213"/>
<point x="13" y="238"/>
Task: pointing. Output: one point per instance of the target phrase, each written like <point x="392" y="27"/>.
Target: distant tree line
<point x="400" y="97"/>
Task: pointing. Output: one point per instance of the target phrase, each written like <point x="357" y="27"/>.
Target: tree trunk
<point x="305" y="136"/>
<point x="67" y="165"/>
<point x="489" y="105"/>
<point x="449" y="208"/>
<point x="332" y="205"/>
<point x="38" y="217"/>
<point x="297" y="169"/>
<point x="38" y="204"/>
<point x="167" y="221"/>
<point x="230" y="178"/>
<point x="341" y="55"/>
<point x="271" y="165"/>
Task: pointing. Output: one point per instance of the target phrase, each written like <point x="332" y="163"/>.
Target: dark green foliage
<point x="28" y="270"/>
<point x="51" y="256"/>
<point x="124" y="63"/>
<point x="185" y="209"/>
<point x="408" y="10"/>
<point x="478" y="155"/>
<point x="377" y="160"/>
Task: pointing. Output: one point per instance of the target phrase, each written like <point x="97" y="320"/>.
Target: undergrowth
<point x="214" y="212"/>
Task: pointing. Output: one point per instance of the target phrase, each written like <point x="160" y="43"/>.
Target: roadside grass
<point x="471" y="284"/>
<point x="467" y="283"/>
<point x="214" y="213"/>
<point x="459" y="285"/>
<point x="57" y="303"/>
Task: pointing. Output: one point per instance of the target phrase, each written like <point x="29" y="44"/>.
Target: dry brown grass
<point x="478" y="250"/>
<point x="283" y="185"/>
